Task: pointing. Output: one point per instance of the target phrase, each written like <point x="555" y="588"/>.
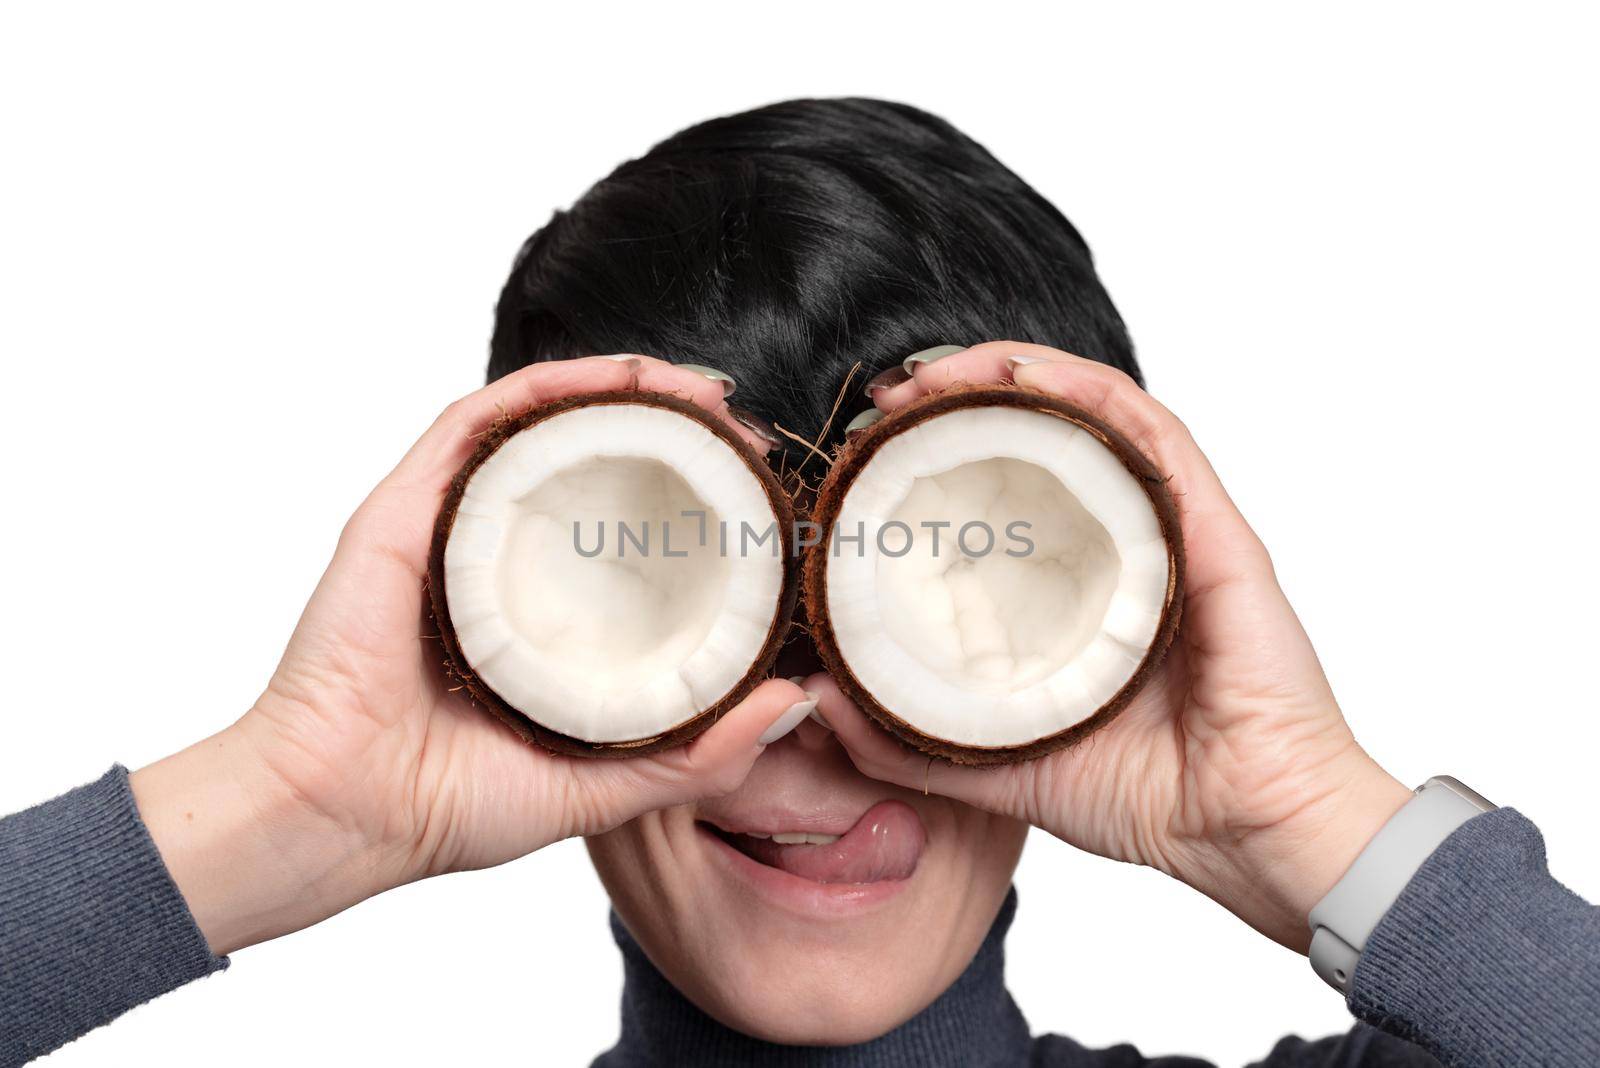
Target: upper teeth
<point x="797" y="838"/>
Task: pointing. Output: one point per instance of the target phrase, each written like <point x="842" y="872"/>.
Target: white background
<point x="244" y="260"/>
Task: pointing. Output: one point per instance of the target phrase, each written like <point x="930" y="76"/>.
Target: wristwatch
<point x="1344" y="919"/>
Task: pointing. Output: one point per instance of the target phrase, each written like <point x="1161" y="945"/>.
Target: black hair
<point x="786" y="244"/>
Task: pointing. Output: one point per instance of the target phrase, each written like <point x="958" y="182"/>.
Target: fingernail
<point x="816" y="717"/>
<point x="797" y="679"/>
<point x="888" y="379"/>
<point x="862" y="421"/>
<point x="1015" y="362"/>
<point x="728" y="384"/>
<point x="938" y="352"/>
<point x="789" y="720"/>
<point x="756" y="425"/>
<point x="621" y="358"/>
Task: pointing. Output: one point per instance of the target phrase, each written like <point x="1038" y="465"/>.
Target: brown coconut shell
<point x="760" y="668"/>
<point x="848" y="464"/>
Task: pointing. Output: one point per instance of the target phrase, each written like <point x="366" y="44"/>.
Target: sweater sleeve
<point x="1485" y="959"/>
<point x="91" y="923"/>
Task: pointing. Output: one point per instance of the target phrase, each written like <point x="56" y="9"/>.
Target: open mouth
<point x="884" y="845"/>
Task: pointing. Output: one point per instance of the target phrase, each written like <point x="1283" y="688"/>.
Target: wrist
<point x="1272" y="876"/>
<point x="251" y="859"/>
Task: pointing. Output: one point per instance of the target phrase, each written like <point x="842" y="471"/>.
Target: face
<point x="832" y="940"/>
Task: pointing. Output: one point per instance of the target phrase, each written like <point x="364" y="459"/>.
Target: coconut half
<point x="1001" y="573"/>
<point x="589" y="578"/>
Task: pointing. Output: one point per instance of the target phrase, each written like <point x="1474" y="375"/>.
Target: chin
<point x="812" y="906"/>
<point x="824" y="1003"/>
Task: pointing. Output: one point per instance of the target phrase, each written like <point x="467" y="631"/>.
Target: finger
<point x="382" y="555"/>
<point x="760" y="433"/>
<point x="659" y="376"/>
<point x="709" y="394"/>
<point x="430" y="463"/>
<point x="877" y="754"/>
<point x="718" y="760"/>
<point x="397" y="518"/>
<point x="445" y="446"/>
<point x="1219" y="545"/>
<point x="979" y="365"/>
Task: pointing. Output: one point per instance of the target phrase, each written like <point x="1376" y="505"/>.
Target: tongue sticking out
<point x="885" y="844"/>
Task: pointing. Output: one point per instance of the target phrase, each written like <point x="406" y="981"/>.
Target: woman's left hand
<point x="1233" y="770"/>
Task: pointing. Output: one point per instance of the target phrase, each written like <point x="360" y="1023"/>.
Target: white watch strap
<point x="1344" y="919"/>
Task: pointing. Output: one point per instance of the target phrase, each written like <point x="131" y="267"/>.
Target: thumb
<point x="718" y="760"/>
<point x="877" y="755"/>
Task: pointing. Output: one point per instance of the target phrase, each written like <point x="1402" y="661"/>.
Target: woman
<point x="775" y="250"/>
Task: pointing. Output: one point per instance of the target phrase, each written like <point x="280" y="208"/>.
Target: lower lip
<point x="801" y="897"/>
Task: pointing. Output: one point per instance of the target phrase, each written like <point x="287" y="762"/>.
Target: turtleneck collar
<point x="973" y="1024"/>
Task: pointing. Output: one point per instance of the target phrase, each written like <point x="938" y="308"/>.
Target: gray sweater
<point x="1485" y="961"/>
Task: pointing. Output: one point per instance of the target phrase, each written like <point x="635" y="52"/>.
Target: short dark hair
<point x="786" y="244"/>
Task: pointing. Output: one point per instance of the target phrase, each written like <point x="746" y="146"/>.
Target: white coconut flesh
<point x="990" y="650"/>
<point x="631" y="641"/>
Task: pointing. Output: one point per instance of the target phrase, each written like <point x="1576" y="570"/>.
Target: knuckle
<point x="455" y="413"/>
<point x="723" y="780"/>
<point x="1121" y="380"/>
<point x="354" y="532"/>
<point x="883" y="760"/>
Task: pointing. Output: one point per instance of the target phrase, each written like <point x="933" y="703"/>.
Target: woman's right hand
<point x="359" y="769"/>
